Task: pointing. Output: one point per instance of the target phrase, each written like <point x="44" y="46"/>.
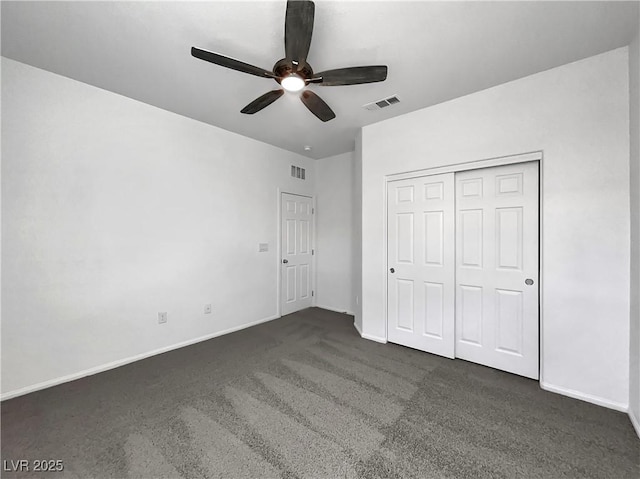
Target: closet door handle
<point x="528" y="281"/>
<point x="392" y="270"/>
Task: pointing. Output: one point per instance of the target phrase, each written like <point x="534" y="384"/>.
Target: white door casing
<point x="296" y="263"/>
<point x="420" y="260"/>
<point x="497" y="266"/>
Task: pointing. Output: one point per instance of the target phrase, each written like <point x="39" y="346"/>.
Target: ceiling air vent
<point x="385" y="102"/>
<point x="297" y="172"/>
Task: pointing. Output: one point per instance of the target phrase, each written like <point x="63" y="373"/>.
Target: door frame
<point x="465" y="166"/>
<point x="279" y="248"/>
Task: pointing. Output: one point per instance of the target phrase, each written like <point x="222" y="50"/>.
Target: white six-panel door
<point x="497" y="267"/>
<point x="463" y="265"/>
<point x="420" y="257"/>
<point x="296" y="252"/>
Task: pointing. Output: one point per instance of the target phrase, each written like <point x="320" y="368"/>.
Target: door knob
<point x="528" y="281"/>
<point x="392" y="270"/>
<point x="285" y="261"/>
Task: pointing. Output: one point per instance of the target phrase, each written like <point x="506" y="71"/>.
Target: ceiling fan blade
<point x="351" y="76"/>
<point x="317" y="106"/>
<point x="298" y="28"/>
<point x="230" y="63"/>
<point x="262" y="102"/>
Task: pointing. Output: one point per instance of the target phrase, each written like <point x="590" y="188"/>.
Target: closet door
<point x="420" y="261"/>
<point x="497" y="267"/>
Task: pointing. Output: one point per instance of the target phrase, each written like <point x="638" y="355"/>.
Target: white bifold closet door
<point x="497" y="267"/>
<point x="463" y="266"/>
<point x="420" y="278"/>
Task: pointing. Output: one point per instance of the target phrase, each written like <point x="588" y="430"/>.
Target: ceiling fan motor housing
<point x="284" y="68"/>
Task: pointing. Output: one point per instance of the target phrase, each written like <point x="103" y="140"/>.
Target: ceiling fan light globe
<point x="293" y="82"/>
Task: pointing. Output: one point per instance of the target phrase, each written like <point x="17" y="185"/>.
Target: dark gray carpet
<point x="304" y="396"/>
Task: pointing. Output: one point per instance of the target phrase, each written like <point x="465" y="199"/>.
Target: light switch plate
<point x="263" y="247"/>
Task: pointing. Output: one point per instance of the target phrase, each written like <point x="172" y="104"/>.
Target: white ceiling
<point x="435" y="51"/>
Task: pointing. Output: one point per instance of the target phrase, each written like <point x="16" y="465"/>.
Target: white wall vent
<point x="379" y="104"/>
<point x="298" y="172"/>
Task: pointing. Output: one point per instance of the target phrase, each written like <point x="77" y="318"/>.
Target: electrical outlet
<point x="207" y="309"/>
<point x="162" y="318"/>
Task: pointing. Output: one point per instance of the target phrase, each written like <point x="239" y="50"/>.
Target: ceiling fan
<point x="293" y="72"/>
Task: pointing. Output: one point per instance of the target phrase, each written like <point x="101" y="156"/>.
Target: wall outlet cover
<point x="162" y="318"/>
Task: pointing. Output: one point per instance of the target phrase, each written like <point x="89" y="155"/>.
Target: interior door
<point x="420" y="257"/>
<point x="296" y="252"/>
<point x="497" y="267"/>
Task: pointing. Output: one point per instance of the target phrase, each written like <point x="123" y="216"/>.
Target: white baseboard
<point x="634" y="421"/>
<point x="337" y="310"/>
<point x="370" y="337"/>
<point x="355" y="325"/>
<point x="377" y="339"/>
<point x="122" y="362"/>
<point x="585" y="397"/>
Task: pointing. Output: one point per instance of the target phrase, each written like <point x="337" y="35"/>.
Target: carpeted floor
<point x="305" y="397"/>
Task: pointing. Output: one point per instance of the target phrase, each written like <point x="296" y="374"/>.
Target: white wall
<point x="357" y="231"/>
<point x="334" y="233"/>
<point x="578" y="114"/>
<point x="634" y="166"/>
<point x="113" y="210"/>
